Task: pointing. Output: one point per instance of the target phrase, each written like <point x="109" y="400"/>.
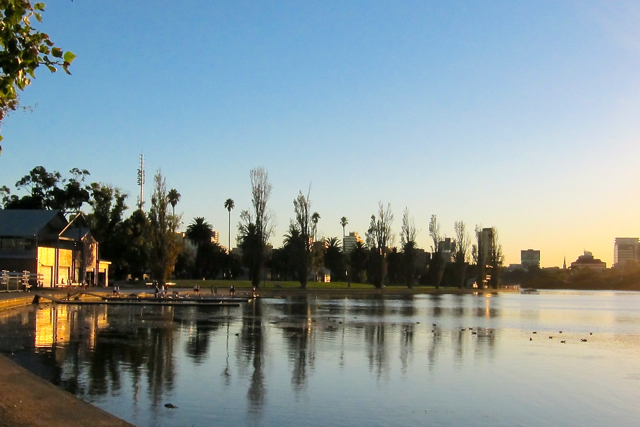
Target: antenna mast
<point x="141" y="180"/>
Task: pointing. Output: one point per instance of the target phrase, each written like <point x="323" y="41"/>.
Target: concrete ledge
<point x="11" y="300"/>
<point x="28" y="400"/>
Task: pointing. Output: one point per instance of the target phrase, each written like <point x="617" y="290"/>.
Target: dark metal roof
<point x="29" y="222"/>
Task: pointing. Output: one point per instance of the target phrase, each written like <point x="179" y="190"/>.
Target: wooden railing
<point x="15" y="281"/>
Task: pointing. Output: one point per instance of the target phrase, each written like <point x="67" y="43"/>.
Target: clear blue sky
<point x="518" y="115"/>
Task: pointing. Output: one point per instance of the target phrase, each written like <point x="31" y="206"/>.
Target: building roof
<point x="29" y="222"/>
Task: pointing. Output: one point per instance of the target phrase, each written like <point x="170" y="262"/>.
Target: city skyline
<point x="521" y="117"/>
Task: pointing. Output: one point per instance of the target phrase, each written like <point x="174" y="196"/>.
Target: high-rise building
<point x="530" y="258"/>
<point x="447" y="247"/>
<point x="350" y="241"/>
<point x="626" y="250"/>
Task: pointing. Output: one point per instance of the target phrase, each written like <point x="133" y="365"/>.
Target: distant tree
<point x="256" y="226"/>
<point x="437" y="263"/>
<point x="461" y="253"/>
<point x="358" y="258"/>
<point x="315" y="218"/>
<point x="408" y="235"/>
<point x="395" y="265"/>
<point x="496" y="258"/>
<point x="333" y="258"/>
<point x="199" y="232"/>
<point x="229" y="205"/>
<point x="343" y="222"/>
<point x="174" y="197"/>
<point x="165" y="245"/>
<point x="302" y="209"/>
<point x="23" y="49"/>
<point x="107" y="224"/>
<point x="293" y="254"/>
<point x="379" y="238"/>
<point x="136" y="244"/>
<point x="210" y="260"/>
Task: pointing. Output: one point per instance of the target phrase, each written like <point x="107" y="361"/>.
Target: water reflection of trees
<point x="250" y="355"/>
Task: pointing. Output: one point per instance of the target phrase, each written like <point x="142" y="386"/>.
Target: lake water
<point x="346" y="362"/>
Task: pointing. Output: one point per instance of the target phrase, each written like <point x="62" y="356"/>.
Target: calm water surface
<point x="346" y="362"/>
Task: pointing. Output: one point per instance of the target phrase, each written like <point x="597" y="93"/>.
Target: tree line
<point x="148" y="243"/>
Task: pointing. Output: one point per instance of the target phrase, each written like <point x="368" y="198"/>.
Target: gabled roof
<point x="29" y="222"/>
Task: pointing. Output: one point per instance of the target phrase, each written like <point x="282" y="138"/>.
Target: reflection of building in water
<point x="626" y="250"/>
<point x="52" y="326"/>
<point x="588" y="262"/>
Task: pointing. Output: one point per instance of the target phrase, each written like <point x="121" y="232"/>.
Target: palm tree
<point x="228" y="205"/>
<point x="343" y="222"/>
<point x="199" y="231"/>
<point x="315" y="218"/>
<point x="173" y="197"/>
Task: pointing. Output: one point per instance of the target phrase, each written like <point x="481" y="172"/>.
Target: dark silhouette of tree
<point x="50" y="190"/>
<point x="136" y="243"/>
<point x="256" y="226"/>
<point x="199" y="232"/>
<point x="359" y="258"/>
<point x="229" y="205"/>
<point x="437" y="263"/>
<point x="333" y="259"/>
<point x="408" y="234"/>
<point x="378" y="239"/>
<point x="174" y="197"/>
<point x="461" y="253"/>
<point x="315" y="218"/>
<point x="302" y="223"/>
<point x="294" y="252"/>
<point x="165" y="245"/>
<point x="107" y="225"/>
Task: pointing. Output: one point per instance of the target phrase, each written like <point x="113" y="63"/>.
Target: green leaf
<point x="39" y="6"/>
<point x="69" y="57"/>
<point x="64" y="67"/>
<point x="57" y="52"/>
<point x="52" y="68"/>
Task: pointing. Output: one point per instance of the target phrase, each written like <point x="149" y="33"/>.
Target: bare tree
<point x="165" y="245"/>
<point x="461" y="254"/>
<point x="379" y="237"/>
<point x="256" y="225"/>
<point x="496" y="258"/>
<point x="408" y="235"/>
<point x="437" y="264"/>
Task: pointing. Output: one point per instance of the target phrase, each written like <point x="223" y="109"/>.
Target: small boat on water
<point x="528" y="291"/>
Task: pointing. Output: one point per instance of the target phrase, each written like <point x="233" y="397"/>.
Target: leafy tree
<point x="50" y="190"/>
<point x="107" y="224"/>
<point x="210" y="260"/>
<point x="256" y="226"/>
<point x="379" y="238"/>
<point x="174" y="197"/>
<point x="23" y="49"/>
<point x="496" y="258"/>
<point x="136" y="242"/>
<point x="165" y="245"/>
